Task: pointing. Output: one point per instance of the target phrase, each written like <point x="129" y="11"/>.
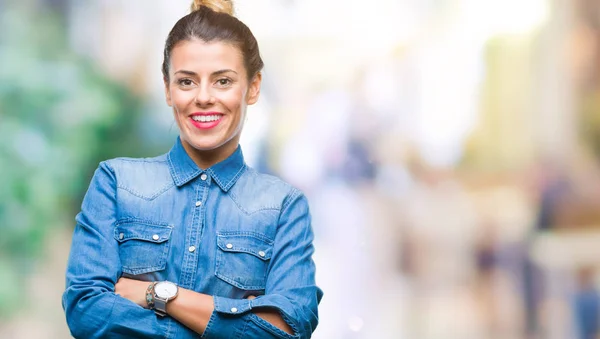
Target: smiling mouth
<point x="206" y="118"/>
<point x="206" y="121"/>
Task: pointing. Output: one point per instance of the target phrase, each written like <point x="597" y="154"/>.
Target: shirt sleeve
<point x="91" y="307"/>
<point x="290" y="286"/>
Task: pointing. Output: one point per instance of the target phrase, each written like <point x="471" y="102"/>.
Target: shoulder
<point x="124" y="167"/>
<point x="263" y="191"/>
<point x="140" y="176"/>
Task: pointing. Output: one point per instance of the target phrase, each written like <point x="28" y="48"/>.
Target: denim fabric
<point x="226" y="231"/>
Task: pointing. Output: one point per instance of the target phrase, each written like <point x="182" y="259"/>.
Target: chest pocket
<point x="143" y="247"/>
<point x="242" y="259"/>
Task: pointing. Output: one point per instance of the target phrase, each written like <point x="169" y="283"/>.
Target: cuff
<point x="283" y="305"/>
<point x="232" y="306"/>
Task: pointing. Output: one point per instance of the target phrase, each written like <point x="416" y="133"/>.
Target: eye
<point x="224" y="82"/>
<point x="185" y="82"/>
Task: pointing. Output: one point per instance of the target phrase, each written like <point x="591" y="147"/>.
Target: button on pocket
<point x="243" y="258"/>
<point x="143" y="247"/>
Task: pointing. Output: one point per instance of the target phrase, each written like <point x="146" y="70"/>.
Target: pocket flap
<point x="250" y="243"/>
<point x="143" y="231"/>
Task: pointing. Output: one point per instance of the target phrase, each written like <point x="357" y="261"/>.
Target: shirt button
<point x="198" y="203"/>
<point x="230" y="246"/>
<point x="261" y="253"/>
<point x="192" y="248"/>
<point x="203" y="176"/>
<point x="233" y="310"/>
<point x="121" y="236"/>
<point x="155" y="237"/>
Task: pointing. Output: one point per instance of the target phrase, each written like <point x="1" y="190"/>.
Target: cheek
<point x="181" y="100"/>
<point x="234" y="101"/>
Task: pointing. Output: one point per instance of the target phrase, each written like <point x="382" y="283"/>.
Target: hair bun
<point x="223" y="6"/>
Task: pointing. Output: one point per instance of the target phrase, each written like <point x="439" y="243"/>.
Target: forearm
<point x="194" y="310"/>
<point x="95" y="314"/>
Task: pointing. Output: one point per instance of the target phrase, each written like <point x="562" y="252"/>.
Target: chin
<point x="204" y="144"/>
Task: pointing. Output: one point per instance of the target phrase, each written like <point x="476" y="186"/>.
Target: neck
<point x="207" y="158"/>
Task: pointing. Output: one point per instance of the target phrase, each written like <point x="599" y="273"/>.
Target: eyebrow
<point x="222" y="71"/>
<point x="219" y="72"/>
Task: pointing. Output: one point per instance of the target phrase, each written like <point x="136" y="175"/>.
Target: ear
<point x="254" y="89"/>
<point x="167" y="92"/>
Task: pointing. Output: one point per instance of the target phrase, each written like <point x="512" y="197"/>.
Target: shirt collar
<point x="225" y="173"/>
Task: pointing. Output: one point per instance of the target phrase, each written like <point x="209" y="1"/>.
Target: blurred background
<point x="449" y="149"/>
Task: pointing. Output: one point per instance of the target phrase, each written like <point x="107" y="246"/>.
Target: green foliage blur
<point x="59" y="117"/>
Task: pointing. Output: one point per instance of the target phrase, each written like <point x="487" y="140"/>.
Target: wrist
<point x="164" y="291"/>
<point x="150" y="296"/>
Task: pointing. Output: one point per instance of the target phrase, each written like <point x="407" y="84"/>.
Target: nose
<point x="204" y="97"/>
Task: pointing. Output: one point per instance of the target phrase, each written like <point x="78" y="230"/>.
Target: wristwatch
<point x="164" y="291"/>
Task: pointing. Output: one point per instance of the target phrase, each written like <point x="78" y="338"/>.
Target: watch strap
<point x="160" y="307"/>
<point x="150" y="295"/>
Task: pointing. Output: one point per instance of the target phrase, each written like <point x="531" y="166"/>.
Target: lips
<point x="206" y="120"/>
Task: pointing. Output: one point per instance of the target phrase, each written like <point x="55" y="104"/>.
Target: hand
<point x="133" y="290"/>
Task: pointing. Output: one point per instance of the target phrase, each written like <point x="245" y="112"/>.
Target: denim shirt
<point x="226" y="231"/>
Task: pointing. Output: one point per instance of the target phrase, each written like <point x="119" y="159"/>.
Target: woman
<point x="195" y="242"/>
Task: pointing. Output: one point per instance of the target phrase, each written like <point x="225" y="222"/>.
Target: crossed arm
<point x="191" y="308"/>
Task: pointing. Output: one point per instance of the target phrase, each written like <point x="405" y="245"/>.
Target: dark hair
<point x="208" y="25"/>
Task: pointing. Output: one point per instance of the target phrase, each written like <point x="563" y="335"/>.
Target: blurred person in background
<point x="195" y="241"/>
<point x="586" y="305"/>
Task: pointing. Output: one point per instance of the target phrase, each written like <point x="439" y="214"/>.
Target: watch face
<point x="165" y="289"/>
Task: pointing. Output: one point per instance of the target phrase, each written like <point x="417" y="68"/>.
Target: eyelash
<point x="228" y="82"/>
<point x="181" y="82"/>
<point x="189" y="82"/>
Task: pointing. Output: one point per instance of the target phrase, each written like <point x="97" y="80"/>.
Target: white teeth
<point x="206" y="118"/>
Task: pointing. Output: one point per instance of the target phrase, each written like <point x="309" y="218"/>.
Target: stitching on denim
<point x="222" y="185"/>
<point x="218" y="263"/>
<point x="193" y="233"/>
<point x="256" y="235"/>
<point x="130" y="220"/>
<point x="235" y="177"/>
<point x="251" y="251"/>
<point x="293" y="195"/>
<point x="148" y="198"/>
<point x="289" y="321"/>
<point x="172" y="170"/>
<point x="137" y="271"/>
<point x="234" y="198"/>
<point x="267" y="326"/>
<point x="209" y="324"/>
<point x="239" y="285"/>
<point x="148" y="160"/>
<point x="242" y="331"/>
<point x="225" y="237"/>
<point x="215" y="177"/>
<point x="168" y="334"/>
<point x="190" y="177"/>
<point x="165" y="244"/>
<point x="112" y="308"/>
<point x="162" y="263"/>
<point x="165" y="234"/>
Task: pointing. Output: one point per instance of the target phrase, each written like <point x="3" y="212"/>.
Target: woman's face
<point x="209" y="92"/>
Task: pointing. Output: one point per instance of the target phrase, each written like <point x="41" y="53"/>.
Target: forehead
<point x="199" y="56"/>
